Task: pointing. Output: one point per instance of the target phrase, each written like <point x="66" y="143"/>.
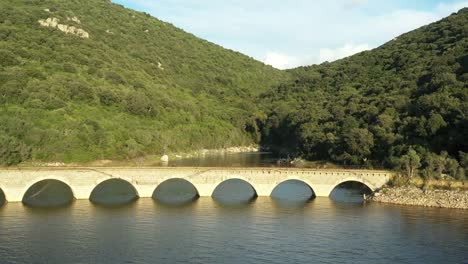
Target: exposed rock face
<point x="74" y="19"/>
<point x="429" y="198"/>
<point x="165" y="158"/>
<point x="53" y="22"/>
<point x="160" y="66"/>
<point x="242" y="149"/>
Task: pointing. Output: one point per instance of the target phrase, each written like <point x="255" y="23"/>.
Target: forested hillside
<point x="89" y="79"/>
<point x="402" y="105"/>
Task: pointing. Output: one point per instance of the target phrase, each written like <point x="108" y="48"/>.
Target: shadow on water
<point x="176" y="192"/>
<point x="49" y="210"/>
<point x="350" y="192"/>
<point x="113" y="193"/>
<point x="292" y="193"/>
<point x="2" y="198"/>
<point x="290" y="204"/>
<point x="48" y="194"/>
<point x="234" y="192"/>
<point x="235" y="204"/>
<point x="115" y="207"/>
<point x="175" y="208"/>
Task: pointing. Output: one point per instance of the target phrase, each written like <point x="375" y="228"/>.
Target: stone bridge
<point x="14" y="182"/>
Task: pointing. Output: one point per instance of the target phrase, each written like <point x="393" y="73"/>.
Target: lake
<point x="205" y="231"/>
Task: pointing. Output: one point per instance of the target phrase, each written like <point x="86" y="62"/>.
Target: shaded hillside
<point x="84" y="80"/>
<point x="404" y="101"/>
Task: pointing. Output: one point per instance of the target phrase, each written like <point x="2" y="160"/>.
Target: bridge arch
<point x="175" y="191"/>
<point x="293" y="190"/>
<point x="354" y="179"/>
<point x="113" y="191"/>
<point x="351" y="190"/>
<point x="48" y="192"/>
<point x="234" y="190"/>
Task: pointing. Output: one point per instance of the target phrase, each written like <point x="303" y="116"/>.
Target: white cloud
<point x="281" y="61"/>
<point x="301" y="33"/>
<point x="284" y="61"/>
<point x="330" y="55"/>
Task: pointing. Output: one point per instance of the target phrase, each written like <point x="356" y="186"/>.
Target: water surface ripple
<point x="264" y="231"/>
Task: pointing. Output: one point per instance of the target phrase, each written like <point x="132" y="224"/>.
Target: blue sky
<point x="287" y="34"/>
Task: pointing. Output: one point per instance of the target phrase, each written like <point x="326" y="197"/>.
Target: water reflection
<point x="2" y="198"/>
<point x="114" y="192"/>
<point x="350" y="192"/>
<point x="290" y="204"/>
<point x="234" y="192"/>
<point x="292" y="191"/>
<point x="48" y="193"/>
<point x="175" y="192"/>
<point x="246" y="159"/>
<point x="206" y="232"/>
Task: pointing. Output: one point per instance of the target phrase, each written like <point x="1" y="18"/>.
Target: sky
<point x="287" y="34"/>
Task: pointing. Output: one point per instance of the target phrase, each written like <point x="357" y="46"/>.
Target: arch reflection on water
<point x="2" y="198"/>
<point x="234" y="192"/>
<point x="48" y="193"/>
<point x="175" y="192"/>
<point x="114" y="192"/>
<point x="350" y="192"/>
<point x="294" y="191"/>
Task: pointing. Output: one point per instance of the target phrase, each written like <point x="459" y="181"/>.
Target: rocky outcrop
<point x="74" y="19"/>
<point x="160" y="66"/>
<point x="165" y="158"/>
<point x="53" y="22"/>
<point x="241" y="149"/>
<point x="429" y="198"/>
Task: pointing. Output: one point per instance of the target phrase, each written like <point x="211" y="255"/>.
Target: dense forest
<point x="403" y="105"/>
<point x="88" y="80"/>
<point x="101" y="81"/>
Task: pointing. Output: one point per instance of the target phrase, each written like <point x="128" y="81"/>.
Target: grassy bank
<point x="428" y="184"/>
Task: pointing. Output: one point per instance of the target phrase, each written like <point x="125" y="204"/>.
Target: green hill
<point x="402" y="102"/>
<point x="86" y="80"/>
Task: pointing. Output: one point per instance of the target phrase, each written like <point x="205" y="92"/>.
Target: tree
<point x="452" y="167"/>
<point x="359" y="143"/>
<point x="463" y="159"/>
<point x="435" y="122"/>
<point x="411" y="162"/>
<point x="12" y="151"/>
<point x="441" y="163"/>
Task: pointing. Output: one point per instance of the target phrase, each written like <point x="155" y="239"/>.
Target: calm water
<point x="248" y="159"/>
<point x="205" y="231"/>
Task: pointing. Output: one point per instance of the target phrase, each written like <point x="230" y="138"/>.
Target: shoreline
<point x="452" y="199"/>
